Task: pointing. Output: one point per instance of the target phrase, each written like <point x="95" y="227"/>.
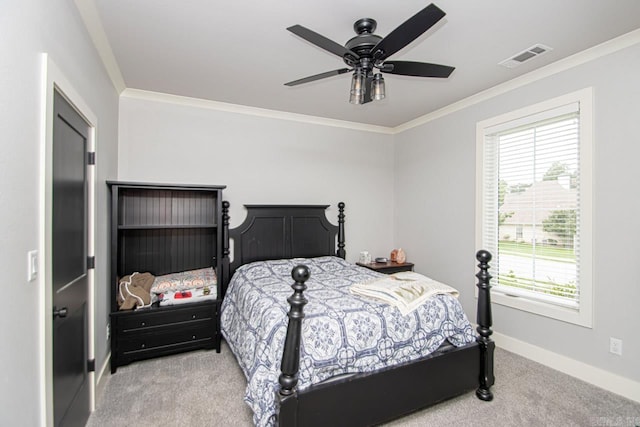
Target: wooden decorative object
<point x="225" y="246"/>
<point x="291" y="355"/>
<point x="160" y="229"/>
<point x="424" y="382"/>
<point x="484" y="319"/>
<point x="341" y="252"/>
<point x="285" y="231"/>
<point x="370" y="398"/>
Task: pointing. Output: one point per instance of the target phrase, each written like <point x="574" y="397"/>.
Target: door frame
<point x="54" y="78"/>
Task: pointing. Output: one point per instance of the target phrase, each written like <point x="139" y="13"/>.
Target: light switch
<point x="32" y="265"/>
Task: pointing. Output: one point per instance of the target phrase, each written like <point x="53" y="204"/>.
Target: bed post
<point x="487" y="346"/>
<point x="341" y="252"/>
<point x="291" y="354"/>
<point x="225" y="247"/>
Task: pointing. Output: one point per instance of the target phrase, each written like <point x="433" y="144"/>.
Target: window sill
<point x="566" y="314"/>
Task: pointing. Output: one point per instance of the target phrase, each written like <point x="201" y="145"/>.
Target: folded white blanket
<point x="405" y="290"/>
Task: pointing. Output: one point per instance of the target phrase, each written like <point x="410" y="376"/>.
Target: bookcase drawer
<point x="156" y="318"/>
<point x="168" y="337"/>
<point x="161" y="331"/>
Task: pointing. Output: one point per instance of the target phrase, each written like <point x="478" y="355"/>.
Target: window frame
<point x="583" y="315"/>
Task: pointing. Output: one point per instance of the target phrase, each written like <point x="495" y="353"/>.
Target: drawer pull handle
<point x="143" y="323"/>
<point x="193" y="337"/>
<point x="142" y="345"/>
<point x="193" y="316"/>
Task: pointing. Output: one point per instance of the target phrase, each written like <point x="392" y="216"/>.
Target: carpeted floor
<point x="204" y="388"/>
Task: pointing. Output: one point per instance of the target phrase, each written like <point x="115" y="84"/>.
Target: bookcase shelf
<point x="165" y="226"/>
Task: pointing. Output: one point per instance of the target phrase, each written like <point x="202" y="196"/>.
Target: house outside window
<point x="534" y="206"/>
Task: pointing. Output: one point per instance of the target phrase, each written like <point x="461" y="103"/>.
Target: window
<point x="534" y="206"/>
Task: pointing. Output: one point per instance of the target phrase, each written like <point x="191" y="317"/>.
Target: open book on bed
<point x="406" y="290"/>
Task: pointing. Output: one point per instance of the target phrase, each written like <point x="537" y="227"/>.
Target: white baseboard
<point x="596" y="376"/>
<point x="99" y="377"/>
<point x="104" y="367"/>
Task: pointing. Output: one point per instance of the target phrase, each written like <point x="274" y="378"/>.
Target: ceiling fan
<point x="367" y="52"/>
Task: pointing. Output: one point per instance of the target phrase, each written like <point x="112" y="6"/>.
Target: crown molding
<point x="622" y="42"/>
<point x="93" y="24"/>
<point x="252" y="111"/>
<point x="92" y="21"/>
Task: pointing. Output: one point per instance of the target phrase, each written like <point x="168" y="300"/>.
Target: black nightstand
<point x="388" y="267"/>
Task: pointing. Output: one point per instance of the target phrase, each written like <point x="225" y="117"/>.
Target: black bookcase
<point x="162" y="229"/>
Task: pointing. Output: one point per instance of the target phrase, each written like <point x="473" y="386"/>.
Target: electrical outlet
<point x="108" y="331"/>
<point x="615" y="346"/>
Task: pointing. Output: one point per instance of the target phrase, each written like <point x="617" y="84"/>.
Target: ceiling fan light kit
<point x="364" y="81"/>
<point x="379" y="91"/>
<point x="366" y="53"/>
<point x="358" y="87"/>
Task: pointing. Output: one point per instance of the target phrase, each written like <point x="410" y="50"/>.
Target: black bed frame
<point x="290" y="231"/>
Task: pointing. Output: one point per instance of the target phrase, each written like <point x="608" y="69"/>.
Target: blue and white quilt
<point x="341" y="333"/>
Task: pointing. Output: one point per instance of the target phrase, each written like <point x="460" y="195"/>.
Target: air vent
<point x="525" y="55"/>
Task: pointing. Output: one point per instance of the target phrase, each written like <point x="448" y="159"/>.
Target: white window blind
<point x="531" y="207"/>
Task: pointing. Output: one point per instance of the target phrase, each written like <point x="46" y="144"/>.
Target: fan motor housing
<point x="363" y="43"/>
<point x="365" y="40"/>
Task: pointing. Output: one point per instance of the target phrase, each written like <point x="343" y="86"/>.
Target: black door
<point x="70" y="283"/>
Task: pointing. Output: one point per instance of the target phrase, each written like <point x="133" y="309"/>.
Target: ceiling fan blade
<point x="407" y="32"/>
<point x="322" y="41"/>
<point x="417" y="69"/>
<point x="318" y="77"/>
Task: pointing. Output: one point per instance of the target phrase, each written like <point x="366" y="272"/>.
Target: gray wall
<point x="264" y="160"/>
<point x="29" y="28"/>
<point x="435" y="208"/>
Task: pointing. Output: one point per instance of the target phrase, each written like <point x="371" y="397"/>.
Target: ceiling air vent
<point x="525" y="55"/>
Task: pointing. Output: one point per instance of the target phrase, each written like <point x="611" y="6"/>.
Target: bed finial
<point x="484" y="319"/>
<point x="291" y="354"/>
<point x="341" y="252"/>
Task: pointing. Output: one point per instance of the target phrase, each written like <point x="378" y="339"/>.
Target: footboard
<point x="389" y="393"/>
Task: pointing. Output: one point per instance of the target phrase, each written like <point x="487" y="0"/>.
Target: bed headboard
<point x="282" y="231"/>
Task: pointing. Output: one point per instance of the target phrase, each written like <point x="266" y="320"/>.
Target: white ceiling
<point x="239" y="52"/>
